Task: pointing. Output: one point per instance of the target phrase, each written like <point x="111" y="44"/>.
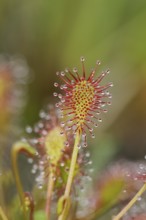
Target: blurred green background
<point x="52" y="35"/>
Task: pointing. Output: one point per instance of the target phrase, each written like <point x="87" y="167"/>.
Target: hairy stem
<point x="49" y="194"/>
<point x="2" y="214"/>
<point x="131" y="203"/>
<point x="70" y="175"/>
<point x="72" y="165"/>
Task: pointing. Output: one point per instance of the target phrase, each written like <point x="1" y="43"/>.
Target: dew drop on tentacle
<point x="91" y="170"/>
<point x="66" y="70"/>
<point x="66" y="143"/>
<point x="75" y="70"/>
<point x="62" y="73"/>
<point x="40" y="186"/>
<point x="48" y="117"/>
<point x="40" y="125"/>
<point x="55" y="94"/>
<point x="62" y="87"/>
<point x="30" y="160"/>
<point x="88" y="121"/>
<point x="42" y="114"/>
<point x="59" y="96"/>
<point x="91" y="129"/>
<point x="106" y="93"/>
<point x="111" y="84"/>
<point x="61" y="116"/>
<point x="54" y="178"/>
<point x="141" y="166"/>
<point x="35" y="167"/>
<point x="33" y="171"/>
<point x="105" y="110"/>
<point x="109" y="103"/>
<point x="93" y="71"/>
<point x="108" y="71"/>
<point x="60" y="180"/>
<point x="62" y="100"/>
<point x="83" y="67"/>
<point x="87" y="154"/>
<point x="62" y="164"/>
<point x="98" y="62"/>
<point x="100" y="120"/>
<point x="90" y="162"/>
<point x="85" y="145"/>
<point x="82" y="59"/>
<point x="62" y="133"/>
<point x="95" y="125"/>
<point x="139" y="198"/>
<point x="44" y="132"/>
<point x="56" y="84"/>
<point x="79" y="147"/>
<point x="92" y="135"/>
<point x="28" y="129"/>
<point x="110" y="96"/>
<point x="62" y="124"/>
<point x="57" y="105"/>
<point x="67" y="169"/>
<point x="34" y="141"/>
<point x="72" y="82"/>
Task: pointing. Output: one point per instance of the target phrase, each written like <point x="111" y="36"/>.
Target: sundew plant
<point x="57" y="149"/>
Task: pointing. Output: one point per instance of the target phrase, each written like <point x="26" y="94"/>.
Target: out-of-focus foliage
<point x="51" y="35"/>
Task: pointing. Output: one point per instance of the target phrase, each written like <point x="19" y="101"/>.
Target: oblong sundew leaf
<point x="108" y="196"/>
<point x="54" y="144"/>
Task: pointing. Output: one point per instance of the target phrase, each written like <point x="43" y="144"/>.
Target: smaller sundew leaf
<point x="111" y="191"/>
<point x="54" y="144"/>
<point x="109" y="195"/>
<point x="52" y="141"/>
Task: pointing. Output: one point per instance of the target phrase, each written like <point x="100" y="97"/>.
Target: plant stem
<point x="72" y="165"/>
<point x="16" y="149"/>
<point x="49" y="194"/>
<point x="2" y="214"/>
<point x="18" y="182"/>
<point x="71" y="173"/>
<point x="131" y="203"/>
